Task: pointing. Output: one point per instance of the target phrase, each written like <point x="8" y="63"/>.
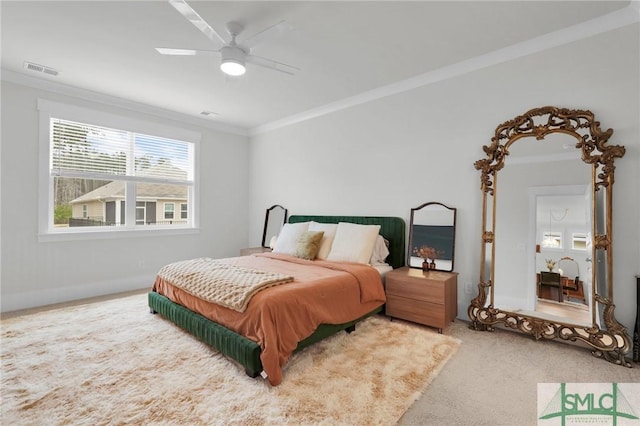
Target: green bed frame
<point x="247" y="352"/>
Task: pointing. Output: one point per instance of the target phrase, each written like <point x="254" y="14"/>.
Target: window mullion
<point x="131" y="156"/>
<point x="130" y="205"/>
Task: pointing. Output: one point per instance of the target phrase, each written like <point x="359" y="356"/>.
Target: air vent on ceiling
<point x="40" y="68"/>
<point x="208" y="113"/>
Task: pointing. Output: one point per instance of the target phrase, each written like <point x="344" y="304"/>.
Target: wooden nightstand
<point x="429" y="298"/>
<point x="253" y="250"/>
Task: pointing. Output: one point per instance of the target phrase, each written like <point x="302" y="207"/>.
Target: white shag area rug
<point x="115" y="363"/>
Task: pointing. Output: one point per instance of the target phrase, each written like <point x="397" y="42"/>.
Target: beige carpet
<point x="114" y="363"/>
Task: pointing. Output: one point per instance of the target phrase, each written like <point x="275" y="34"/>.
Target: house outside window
<point x="100" y="178"/>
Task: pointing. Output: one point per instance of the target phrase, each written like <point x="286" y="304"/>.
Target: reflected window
<point x="579" y="241"/>
<point x="552" y="240"/>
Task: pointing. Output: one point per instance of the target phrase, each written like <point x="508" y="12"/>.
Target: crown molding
<point x="602" y="24"/>
<point x="88" y="95"/>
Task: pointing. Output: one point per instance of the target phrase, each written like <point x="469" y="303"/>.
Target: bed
<point x="288" y="319"/>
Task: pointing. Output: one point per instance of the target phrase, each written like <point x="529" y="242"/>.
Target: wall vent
<point x="40" y="68"/>
<point x="208" y="113"/>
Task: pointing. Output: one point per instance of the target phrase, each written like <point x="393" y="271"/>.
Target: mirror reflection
<point x="562" y="226"/>
<point x="432" y="237"/>
<point x="274" y="220"/>
<point x="544" y="199"/>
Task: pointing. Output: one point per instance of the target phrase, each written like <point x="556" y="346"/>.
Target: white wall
<point x="389" y="155"/>
<point x="39" y="273"/>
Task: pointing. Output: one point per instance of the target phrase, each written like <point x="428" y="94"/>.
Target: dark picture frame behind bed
<point x="274" y="220"/>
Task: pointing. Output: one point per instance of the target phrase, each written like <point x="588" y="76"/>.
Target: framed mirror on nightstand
<point x="426" y="290"/>
<point x="432" y="235"/>
<point x="274" y="220"/>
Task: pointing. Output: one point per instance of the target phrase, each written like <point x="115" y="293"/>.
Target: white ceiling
<point x="344" y="49"/>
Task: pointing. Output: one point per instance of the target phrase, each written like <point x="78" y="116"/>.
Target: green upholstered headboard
<point x="391" y="228"/>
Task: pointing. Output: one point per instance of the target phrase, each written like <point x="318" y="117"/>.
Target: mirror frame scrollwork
<point x="610" y="342"/>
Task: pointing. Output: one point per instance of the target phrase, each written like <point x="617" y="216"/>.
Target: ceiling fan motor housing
<point x="233" y="57"/>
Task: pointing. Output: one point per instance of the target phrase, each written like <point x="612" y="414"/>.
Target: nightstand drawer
<point x="425" y="290"/>
<point x="429" y="298"/>
<point x="426" y="313"/>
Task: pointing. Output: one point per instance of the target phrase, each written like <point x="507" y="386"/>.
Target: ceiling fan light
<point x="232" y="62"/>
<point x="233" y="68"/>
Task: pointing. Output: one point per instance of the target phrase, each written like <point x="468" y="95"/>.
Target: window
<point x="552" y="239"/>
<point x="111" y="179"/>
<point x="141" y="210"/>
<point x="168" y="210"/>
<point x="183" y="210"/>
<point x="579" y="241"/>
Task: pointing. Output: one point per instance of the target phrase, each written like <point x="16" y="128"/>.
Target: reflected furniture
<point x="428" y="298"/>
<point x="547" y="281"/>
<point x="607" y="338"/>
<point x="573" y="287"/>
<point x="432" y="236"/>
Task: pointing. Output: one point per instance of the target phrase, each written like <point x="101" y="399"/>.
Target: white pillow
<point x="329" y="230"/>
<point x="353" y="243"/>
<point x="380" y="251"/>
<point x="288" y="238"/>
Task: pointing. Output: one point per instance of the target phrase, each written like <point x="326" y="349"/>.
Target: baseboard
<point x="50" y="296"/>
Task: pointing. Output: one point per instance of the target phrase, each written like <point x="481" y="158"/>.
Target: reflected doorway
<point x="562" y="285"/>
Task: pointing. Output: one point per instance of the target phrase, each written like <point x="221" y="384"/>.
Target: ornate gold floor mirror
<point x="551" y="142"/>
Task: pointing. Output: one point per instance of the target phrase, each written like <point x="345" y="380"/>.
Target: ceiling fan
<point x="233" y="56"/>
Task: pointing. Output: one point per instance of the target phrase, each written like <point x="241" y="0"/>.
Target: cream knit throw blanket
<point x="218" y="282"/>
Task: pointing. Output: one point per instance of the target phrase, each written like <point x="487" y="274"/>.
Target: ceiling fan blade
<point x="271" y="32"/>
<point x="193" y="17"/>
<point x="268" y="63"/>
<point x="186" y="52"/>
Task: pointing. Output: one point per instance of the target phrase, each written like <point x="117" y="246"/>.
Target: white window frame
<point x="46" y="230"/>
<point x="143" y="207"/>
<point x="580" y="237"/>
<point x="552" y="235"/>
<point x="173" y="211"/>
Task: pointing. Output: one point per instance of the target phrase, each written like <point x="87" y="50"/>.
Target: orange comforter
<point x="279" y="317"/>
